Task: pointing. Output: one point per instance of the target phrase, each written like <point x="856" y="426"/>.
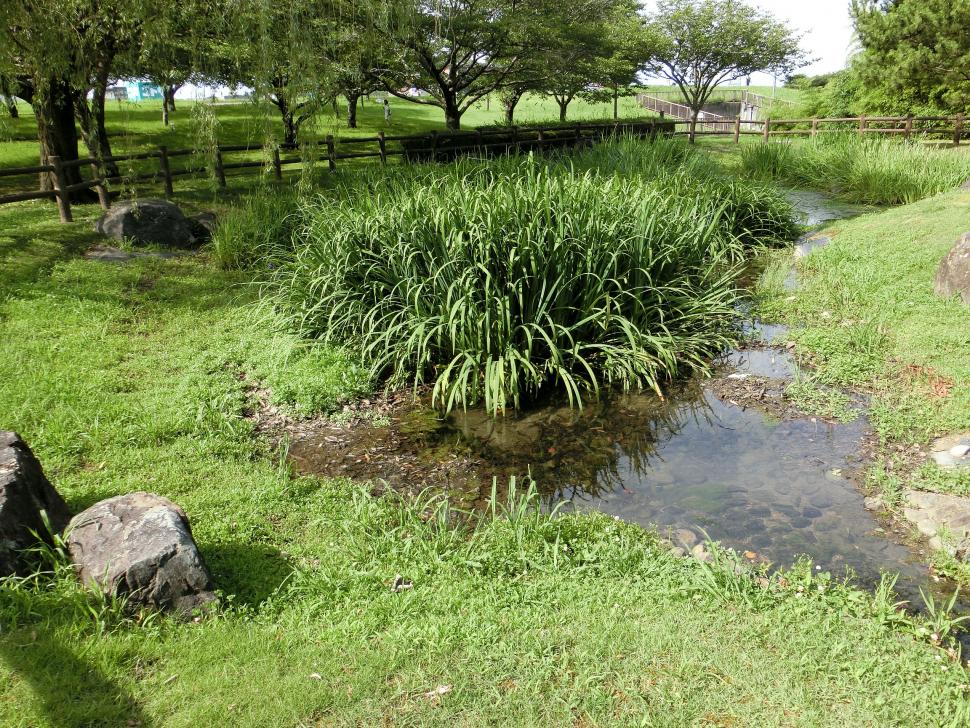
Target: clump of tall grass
<point x="873" y="171"/>
<point x="756" y="214"/>
<point x="259" y="230"/>
<point x="497" y="281"/>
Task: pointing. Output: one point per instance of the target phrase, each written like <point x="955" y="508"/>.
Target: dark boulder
<point x="148" y="222"/>
<point x="24" y="493"/>
<point x="140" y="546"/>
<point x="953" y="275"/>
<point x="204" y="226"/>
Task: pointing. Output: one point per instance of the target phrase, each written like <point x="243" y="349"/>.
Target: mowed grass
<point x="135" y="376"/>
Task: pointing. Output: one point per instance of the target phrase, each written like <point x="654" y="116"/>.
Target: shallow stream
<point x="723" y="459"/>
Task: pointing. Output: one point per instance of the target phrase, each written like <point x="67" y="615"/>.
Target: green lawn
<point x="136" y="376"/>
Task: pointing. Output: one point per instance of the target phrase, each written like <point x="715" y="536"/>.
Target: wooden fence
<point x="949" y="127"/>
<point x="440" y="146"/>
<point x="432" y="146"/>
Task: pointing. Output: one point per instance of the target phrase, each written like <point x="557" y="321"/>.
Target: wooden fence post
<point x="434" y="145"/>
<point x="220" y="170"/>
<point x="331" y="154"/>
<point x="767" y="129"/>
<point x="382" y="145"/>
<point x="60" y="189"/>
<point x="957" y="130"/>
<point x="103" y="198"/>
<point x="579" y="133"/>
<point x="862" y="125"/>
<point x="541" y="138"/>
<point x="277" y="165"/>
<point x="165" y="169"/>
<point x="814" y="128"/>
<point x="515" y="137"/>
<point x="908" y="131"/>
<point x="737" y="129"/>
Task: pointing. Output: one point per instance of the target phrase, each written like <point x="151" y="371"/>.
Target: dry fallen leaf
<point x="315" y="676"/>
<point x="438" y="691"/>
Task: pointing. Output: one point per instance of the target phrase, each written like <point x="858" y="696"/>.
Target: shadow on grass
<point x="250" y="573"/>
<point x="68" y="690"/>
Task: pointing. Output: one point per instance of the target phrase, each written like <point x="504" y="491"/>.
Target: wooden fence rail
<point x="906" y="126"/>
<point x="433" y="146"/>
<point x="443" y="146"/>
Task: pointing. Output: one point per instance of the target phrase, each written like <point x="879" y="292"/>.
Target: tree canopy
<point x="700" y="44"/>
<point x="916" y="51"/>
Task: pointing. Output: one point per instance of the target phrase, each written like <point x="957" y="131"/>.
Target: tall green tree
<point x="700" y="44"/>
<point x="916" y="51"/>
<point x="574" y="46"/>
<point x="458" y="51"/>
<point x="629" y="49"/>
<point x="58" y="56"/>
<point x="284" y="50"/>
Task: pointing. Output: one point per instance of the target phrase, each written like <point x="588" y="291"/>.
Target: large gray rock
<point x="953" y="275"/>
<point x="140" y="545"/>
<point x="148" y="221"/>
<point x="24" y="493"/>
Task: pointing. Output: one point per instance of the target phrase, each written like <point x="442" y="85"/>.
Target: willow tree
<point x="60" y="55"/>
<point x="284" y="52"/>
<point x="700" y="44"/>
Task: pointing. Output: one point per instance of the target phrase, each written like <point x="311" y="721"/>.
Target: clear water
<point x="776" y="486"/>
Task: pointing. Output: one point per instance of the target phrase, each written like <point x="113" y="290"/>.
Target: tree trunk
<point x="352" y="110"/>
<point x="57" y="134"/>
<point x="452" y="113"/>
<point x="693" y="127"/>
<point x="9" y="100"/>
<point x="289" y="120"/>
<point x="164" y="112"/>
<point x="509" y="102"/>
<point x="563" y="105"/>
<point x="170" y="97"/>
<point x="91" y="119"/>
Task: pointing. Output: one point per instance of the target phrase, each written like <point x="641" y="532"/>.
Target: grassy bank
<point x="138" y="376"/>
<point x="866" y="314"/>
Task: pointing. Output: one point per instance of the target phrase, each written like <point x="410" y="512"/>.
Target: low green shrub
<point x="866" y="171"/>
<point x="496" y="281"/>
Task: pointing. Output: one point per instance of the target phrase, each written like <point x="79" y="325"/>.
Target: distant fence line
<point x="906" y="126"/>
<point x="431" y="146"/>
<point x="446" y="145"/>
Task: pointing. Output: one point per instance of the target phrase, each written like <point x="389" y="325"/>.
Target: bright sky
<point x="825" y="23"/>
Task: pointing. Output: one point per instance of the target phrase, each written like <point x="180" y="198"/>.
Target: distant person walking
<point x="387" y="112"/>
